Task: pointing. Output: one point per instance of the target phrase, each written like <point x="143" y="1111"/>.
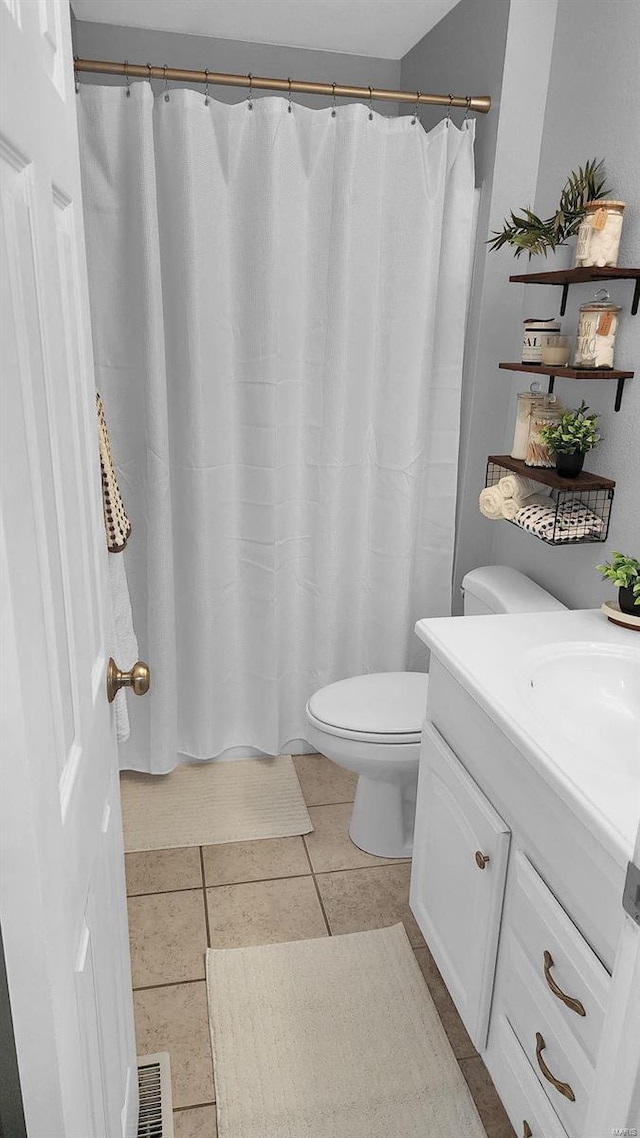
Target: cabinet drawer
<point x="548" y="1044"/>
<point x="458" y="873"/>
<point x="524" y="1100"/>
<point x="576" y="981"/>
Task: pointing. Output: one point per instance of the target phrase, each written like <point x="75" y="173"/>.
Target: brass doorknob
<point x="481" y="859"/>
<point x="138" y="679"/>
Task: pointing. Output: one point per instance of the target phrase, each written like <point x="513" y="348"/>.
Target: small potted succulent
<point x="625" y="573"/>
<point x="570" y="439"/>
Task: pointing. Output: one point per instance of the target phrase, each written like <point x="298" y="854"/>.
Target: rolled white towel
<point x="491" y="502"/>
<point x="510" y="506"/>
<point x="515" y="486"/>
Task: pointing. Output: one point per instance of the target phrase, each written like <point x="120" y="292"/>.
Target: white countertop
<point x="490" y="656"/>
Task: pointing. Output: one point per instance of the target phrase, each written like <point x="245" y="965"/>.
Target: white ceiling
<point x="387" y="29"/>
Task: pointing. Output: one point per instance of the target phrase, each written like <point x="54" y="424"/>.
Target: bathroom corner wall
<point x="503" y="49"/>
<point x="110" y="41"/>
<point x="593" y="110"/>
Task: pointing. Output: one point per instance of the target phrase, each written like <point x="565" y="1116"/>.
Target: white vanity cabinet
<point x="519" y="906"/>
<point x="457" y="885"/>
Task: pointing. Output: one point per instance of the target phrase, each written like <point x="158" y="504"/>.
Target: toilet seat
<point x="382" y="707"/>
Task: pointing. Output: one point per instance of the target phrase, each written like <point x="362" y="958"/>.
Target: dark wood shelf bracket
<point x="563" y="302"/>
<point x="636" y="298"/>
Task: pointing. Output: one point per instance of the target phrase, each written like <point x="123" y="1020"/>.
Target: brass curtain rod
<point x="479" y="103"/>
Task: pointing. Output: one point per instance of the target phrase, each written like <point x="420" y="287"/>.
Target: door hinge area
<point x="631" y="894"/>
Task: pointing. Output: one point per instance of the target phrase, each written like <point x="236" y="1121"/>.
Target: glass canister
<point x="599" y="234"/>
<point x="527" y="400"/>
<point x="542" y="415"/>
<point x="597" y="327"/>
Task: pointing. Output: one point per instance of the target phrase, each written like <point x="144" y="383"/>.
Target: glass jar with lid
<point x="543" y="415"/>
<point x="527" y="400"/>
<point x="597" y="327"/>
<point x="599" y="234"/>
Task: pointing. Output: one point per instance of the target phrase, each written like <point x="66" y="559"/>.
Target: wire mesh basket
<point x="571" y="512"/>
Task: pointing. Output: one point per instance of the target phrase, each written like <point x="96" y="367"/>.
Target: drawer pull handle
<point x="481" y="859"/>
<point x="570" y="1001"/>
<point x="563" y="1088"/>
<point x="527" y="1132"/>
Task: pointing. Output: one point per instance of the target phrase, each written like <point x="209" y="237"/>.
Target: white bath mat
<point x="332" y="1038"/>
<point x="204" y="804"/>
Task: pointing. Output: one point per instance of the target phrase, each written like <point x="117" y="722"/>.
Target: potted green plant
<point x="625" y="573"/>
<point x="528" y="233"/>
<point x="571" y="438"/>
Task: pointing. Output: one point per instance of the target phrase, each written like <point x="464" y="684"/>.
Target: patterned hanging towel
<point x="116" y="522"/>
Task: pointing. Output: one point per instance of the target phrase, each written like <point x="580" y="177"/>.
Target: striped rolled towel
<point x="491" y="502"/>
<point x="515" y="486"/>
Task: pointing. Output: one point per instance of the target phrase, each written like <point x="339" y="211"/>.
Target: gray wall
<point x="592" y="111"/>
<point x="464" y="55"/>
<point x="142" y="45"/>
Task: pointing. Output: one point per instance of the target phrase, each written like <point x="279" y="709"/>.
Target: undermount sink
<point x="588" y="694"/>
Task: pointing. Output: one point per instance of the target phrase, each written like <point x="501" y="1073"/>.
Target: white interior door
<point x="62" y="895"/>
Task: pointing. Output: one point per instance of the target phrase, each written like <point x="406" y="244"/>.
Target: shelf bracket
<point x="619" y="389"/>
<point x="552" y="380"/>
<point x="636" y="298"/>
<point x="563" y="302"/>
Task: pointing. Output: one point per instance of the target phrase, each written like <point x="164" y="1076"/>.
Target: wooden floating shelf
<point x="565" y="277"/>
<point x="550" y="477"/>
<point x="577" y="276"/>
<point x="574" y="373"/>
<point x="569" y="372"/>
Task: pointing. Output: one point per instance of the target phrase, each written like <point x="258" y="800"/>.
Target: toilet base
<point x="383" y="816"/>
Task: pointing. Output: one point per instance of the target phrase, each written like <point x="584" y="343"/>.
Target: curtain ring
<point x="76" y="81"/>
<point x="466" y="113"/>
<point x="448" y="118"/>
<point x="416" y="110"/>
<point x="207" y="100"/>
<point x="289" y="108"/>
<point x="148" y="66"/>
<point x="333" y="96"/>
<point x="126" y="78"/>
<point x="370" y="105"/>
<point x="249" y="99"/>
<point x="166" y="84"/>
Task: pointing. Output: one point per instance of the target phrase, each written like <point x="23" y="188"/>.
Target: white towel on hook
<point x="124" y="645"/>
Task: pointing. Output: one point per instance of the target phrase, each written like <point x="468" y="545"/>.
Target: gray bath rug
<point x="332" y="1038"/>
<point x="202" y="804"/>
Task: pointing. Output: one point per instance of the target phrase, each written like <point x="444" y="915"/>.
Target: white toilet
<point x="371" y="724"/>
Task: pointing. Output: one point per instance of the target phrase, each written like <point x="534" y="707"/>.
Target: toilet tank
<point x="497" y="588"/>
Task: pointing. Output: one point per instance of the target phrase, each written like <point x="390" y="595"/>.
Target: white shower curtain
<point x="278" y="305"/>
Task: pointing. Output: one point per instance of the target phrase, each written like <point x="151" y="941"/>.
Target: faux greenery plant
<point x="624" y="572"/>
<point x="527" y="232"/>
<point x="576" y="432"/>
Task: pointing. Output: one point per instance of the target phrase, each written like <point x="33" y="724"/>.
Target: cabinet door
<point x="458" y="904"/>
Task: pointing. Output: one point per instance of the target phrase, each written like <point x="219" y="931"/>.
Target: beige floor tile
<point x="374" y="898"/>
<point x="456" y="1032"/>
<point x="168" y="938"/>
<point x="175" y="1019"/>
<point x="160" y="871"/>
<point x="323" y="782"/>
<point x="199" y="1122"/>
<point x="494" y="1117"/>
<point x="330" y="846"/>
<point x="254" y="861"/>
<point x="264" y="912"/>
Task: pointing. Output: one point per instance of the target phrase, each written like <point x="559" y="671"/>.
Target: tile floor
<point x="264" y="892"/>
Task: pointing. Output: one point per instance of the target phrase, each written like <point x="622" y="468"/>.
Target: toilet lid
<point x="383" y="703"/>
